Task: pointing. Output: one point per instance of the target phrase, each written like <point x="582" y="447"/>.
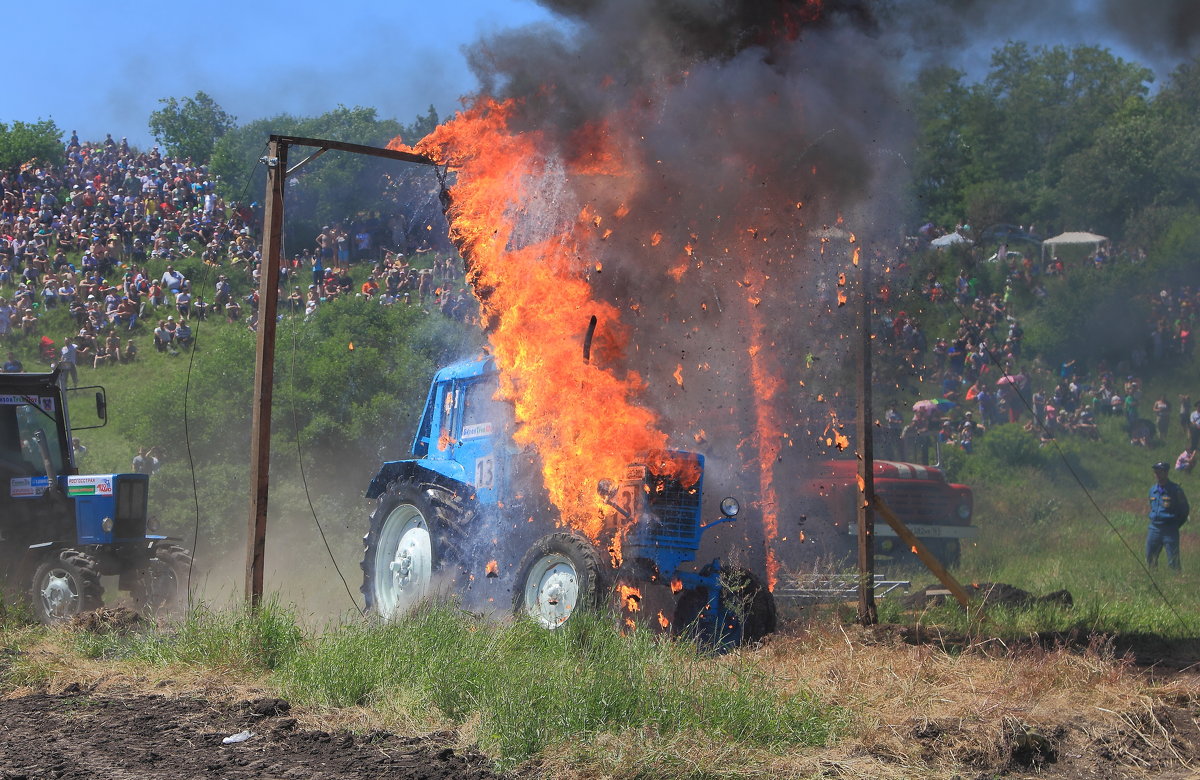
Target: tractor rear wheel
<point x="559" y="575"/>
<point x="64" y="585"/>
<point x="162" y="586"/>
<point x="400" y="552"/>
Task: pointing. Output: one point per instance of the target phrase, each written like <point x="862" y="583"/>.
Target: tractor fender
<point x="445" y="473"/>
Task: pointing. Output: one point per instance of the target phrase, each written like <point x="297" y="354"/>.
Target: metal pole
<point x="264" y="369"/>
<point x="867" y="615"/>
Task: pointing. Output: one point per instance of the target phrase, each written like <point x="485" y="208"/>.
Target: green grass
<point x="531" y="689"/>
<point x="523" y="689"/>
<point x="240" y="638"/>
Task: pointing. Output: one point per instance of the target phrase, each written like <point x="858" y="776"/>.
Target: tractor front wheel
<point x="559" y="575"/>
<point x="64" y="585"/>
<point x="747" y="598"/>
<point x="400" y="552"/>
<point x="163" y="583"/>
<point x="641" y="599"/>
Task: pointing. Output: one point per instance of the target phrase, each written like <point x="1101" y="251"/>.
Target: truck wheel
<point x="65" y="585"/>
<point x="162" y="584"/>
<point x="560" y="574"/>
<point x="400" y="552"/>
<point x="641" y="599"/>
<point x="948" y="551"/>
<point x="746" y="597"/>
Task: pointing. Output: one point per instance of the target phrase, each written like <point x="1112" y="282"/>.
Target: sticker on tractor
<point x="28" y="487"/>
<point x="476" y="431"/>
<point x="89" y="486"/>
<point x="485" y="472"/>
<point x="45" y="402"/>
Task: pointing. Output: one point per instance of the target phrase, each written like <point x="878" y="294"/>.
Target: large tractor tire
<point x="64" y="585"/>
<point x="162" y="585"/>
<point x="558" y="576"/>
<point x="403" y="550"/>
<point x="642" y="600"/>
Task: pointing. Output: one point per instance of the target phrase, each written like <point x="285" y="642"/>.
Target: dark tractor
<point x="469" y="494"/>
<point x="61" y="531"/>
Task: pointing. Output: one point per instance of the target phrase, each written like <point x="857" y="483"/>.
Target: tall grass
<point x="241" y="638"/>
<point x="527" y="689"/>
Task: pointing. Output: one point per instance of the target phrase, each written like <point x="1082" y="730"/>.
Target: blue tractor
<point x="62" y="531"/>
<point x="467" y="513"/>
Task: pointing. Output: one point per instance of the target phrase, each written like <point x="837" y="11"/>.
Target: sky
<point x="104" y="67"/>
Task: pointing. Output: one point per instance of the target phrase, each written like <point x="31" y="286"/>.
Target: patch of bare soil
<point x="75" y="734"/>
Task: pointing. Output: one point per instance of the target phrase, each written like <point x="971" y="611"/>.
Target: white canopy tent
<point x="1067" y="239"/>
<point x="950" y="239"/>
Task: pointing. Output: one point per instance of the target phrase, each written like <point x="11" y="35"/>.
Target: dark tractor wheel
<point x="746" y="598"/>
<point x="560" y="574"/>
<point x="162" y="585"/>
<point x="402" y="551"/>
<point x="64" y="585"/>
<point x="642" y="600"/>
<point x="695" y="619"/>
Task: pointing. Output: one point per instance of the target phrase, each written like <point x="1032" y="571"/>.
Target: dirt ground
<point x="123" y="733"/>
<point x="75" y="734"/>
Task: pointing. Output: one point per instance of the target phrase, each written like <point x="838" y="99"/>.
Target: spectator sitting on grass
<point x="162" y="337"/>
<point x="101" y="356"/>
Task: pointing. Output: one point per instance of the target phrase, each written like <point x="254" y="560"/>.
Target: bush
<point x="1011" y="446"/>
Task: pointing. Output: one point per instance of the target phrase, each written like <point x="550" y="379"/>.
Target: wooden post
<point x="867" y="614"/>
<point x="264" y="369"/>
<point x="929" y="559"/>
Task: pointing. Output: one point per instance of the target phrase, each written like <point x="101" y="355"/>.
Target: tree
<point x="25" y="142"/>
<point x="421" y="126"/>
<point x="1034" y="121"/>
<point x="331" y="188"/>
<point x="192" y="127"/>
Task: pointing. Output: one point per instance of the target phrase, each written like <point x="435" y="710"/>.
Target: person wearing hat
<point x="1168" y="511"/>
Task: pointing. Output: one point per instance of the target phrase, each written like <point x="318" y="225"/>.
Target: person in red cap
<point x="1168" y="511"/>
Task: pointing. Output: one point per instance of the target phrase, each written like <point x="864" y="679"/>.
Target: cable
<point x="1071" y="470"/>
<point x="186" y="433"/>
<point x="304" y="479"/>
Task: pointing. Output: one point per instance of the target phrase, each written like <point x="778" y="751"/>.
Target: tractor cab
<point x="33" y="429"/>
<point x="61" y="531"/>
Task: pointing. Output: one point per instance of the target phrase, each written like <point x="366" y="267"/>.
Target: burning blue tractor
<point x="469" y="491"/>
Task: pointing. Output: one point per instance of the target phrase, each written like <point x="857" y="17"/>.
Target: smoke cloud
<point x="736" y="154"/>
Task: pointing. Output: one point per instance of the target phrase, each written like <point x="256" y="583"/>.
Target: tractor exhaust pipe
<point x="39" y="440"/>
<point x="587" y="340"/>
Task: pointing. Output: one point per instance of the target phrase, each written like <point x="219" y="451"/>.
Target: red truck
<point x="937" y="511"/>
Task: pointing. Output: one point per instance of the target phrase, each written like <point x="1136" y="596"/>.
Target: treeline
<point x="1060" y="138"/>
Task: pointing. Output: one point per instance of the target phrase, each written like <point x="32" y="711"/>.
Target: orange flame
<point x="662" y="620"/>
<point x="631" y="597"/>
<point x="764" y="376"/>
<point x="493" y="569"/>
<point x="676" y="585"/>
<point x="535" y="299"/>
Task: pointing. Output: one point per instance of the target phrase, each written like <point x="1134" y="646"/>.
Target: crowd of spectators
<point x="983" y="379"/>
<point x="82" y="237"/>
